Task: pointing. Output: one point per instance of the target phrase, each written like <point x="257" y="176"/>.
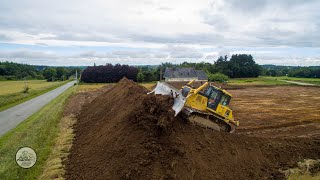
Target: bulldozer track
<point x="207" y="120"/>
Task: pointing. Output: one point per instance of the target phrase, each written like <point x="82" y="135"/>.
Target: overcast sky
<point x="78" y="32"/>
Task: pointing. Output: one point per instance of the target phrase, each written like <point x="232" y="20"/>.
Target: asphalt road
<point x="10" y="118"/>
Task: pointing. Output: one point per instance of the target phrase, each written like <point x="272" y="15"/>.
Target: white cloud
<point x="176" y="29"/>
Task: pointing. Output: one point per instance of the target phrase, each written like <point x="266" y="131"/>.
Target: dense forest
<point x="16" y="71"/>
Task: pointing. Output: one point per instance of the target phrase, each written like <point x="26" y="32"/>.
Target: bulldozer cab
<point x="216" y="96"/>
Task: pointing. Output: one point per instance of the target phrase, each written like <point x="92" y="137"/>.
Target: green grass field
<point x="315" y="81"/>
<point x="38" y="132"/>
<point x="271" y="81"/>
<point x="258" y="81"/>
<point x="11" y="92"/>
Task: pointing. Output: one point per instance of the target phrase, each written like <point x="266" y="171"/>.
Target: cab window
<point x="225" y="100"/>
<point x="213" y="95"/>
<point x="208" y="92"/>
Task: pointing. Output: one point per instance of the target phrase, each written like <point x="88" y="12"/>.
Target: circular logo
<point x="26" y="157"/>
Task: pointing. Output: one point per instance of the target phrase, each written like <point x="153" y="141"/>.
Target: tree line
<point x="238" y="66"/>
<point x="291" y="71"/>
<point x="16" y="71"/>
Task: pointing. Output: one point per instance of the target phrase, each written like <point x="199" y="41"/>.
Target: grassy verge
<point x="38" y="132"/>
<point x="53" y="168"/>
<point x="309" y="169"/>
<point x="10" y="100"/>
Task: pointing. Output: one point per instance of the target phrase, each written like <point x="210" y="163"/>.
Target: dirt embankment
<point x="125" y="133"/>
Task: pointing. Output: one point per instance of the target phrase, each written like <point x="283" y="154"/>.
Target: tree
<point x="11" y="70"/>
<point x="140" y="77"/>
<point x="50" y="74"/>
<point x="218" y="77"/>
<point x="239" y="65"/>
<point x="61" y="73"/>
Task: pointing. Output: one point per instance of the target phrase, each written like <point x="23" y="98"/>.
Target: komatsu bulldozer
<point x="206" y="105"/>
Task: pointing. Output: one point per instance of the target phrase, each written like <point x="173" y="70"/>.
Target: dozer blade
<point x="166" y="89"/>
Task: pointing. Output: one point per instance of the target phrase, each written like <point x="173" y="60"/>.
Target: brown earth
<point x="282" y="111"/>
<point x="126" y="134"/>
<point x="77" y="101"/>
<point x="274" y="111"/>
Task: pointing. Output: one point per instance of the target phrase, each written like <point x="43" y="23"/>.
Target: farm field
<point x="11" y="92"/>
<point x="10" y="87"/>
<point x="259" y="81"/>
<point x="315" y="81"/>
<point x="241" y="82"/>
<point x="91" y="87"/>
<point x="288" y="111"/>
<point x="279" y="127"/>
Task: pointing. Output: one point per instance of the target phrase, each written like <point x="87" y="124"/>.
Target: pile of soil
<point x="78" y="100"/>
<point x="125" y="133"/>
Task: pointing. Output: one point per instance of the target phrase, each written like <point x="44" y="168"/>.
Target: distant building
<point x="184" y="74"/>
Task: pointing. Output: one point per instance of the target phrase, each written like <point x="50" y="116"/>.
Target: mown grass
<point x="305" y="80"/>
<point x="38" y="132"/>
<point x="11" y="92"/>
<point x="258" y="81"/>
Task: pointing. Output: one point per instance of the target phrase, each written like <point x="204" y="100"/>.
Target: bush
<point x="218" y="77"/>
<point x="2" y="78"/>
<point x="26" y="89"/>
<point x="11" y="77"/>
<point x="140" y="77"/>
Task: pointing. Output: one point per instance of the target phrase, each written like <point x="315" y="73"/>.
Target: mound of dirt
<point x="125" y="133"/>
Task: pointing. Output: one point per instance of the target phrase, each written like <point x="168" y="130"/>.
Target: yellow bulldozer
<point x="206" y="105"/>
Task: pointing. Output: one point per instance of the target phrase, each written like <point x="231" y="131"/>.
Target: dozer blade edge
<point x="166" y="89"/>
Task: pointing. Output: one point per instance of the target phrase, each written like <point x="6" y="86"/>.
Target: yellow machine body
<point x="199" y="101"/>
<point x="206" y="105"/>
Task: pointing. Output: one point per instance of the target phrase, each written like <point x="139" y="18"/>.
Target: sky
<point x="148" y="32"/>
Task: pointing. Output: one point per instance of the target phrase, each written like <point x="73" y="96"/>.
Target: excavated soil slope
<point x="126" y="134"/>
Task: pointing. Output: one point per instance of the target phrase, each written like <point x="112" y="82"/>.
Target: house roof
<point x="201" y="75"/>
<point x="178" y="72"/>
